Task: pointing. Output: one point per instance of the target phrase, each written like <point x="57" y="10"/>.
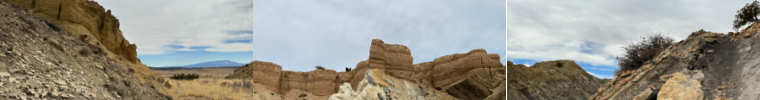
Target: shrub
<point x="319" y="67"/>
<point x="559" y="64"/>
<point x="183" y="76"/>
<point x="348" y="69"/>
<point x="746" y="15"/>
<point x="638" y="53"/>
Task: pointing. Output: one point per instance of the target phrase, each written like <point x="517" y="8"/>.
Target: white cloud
<point x="593" y="31"/>
<point x="337" y="33"/>
<point x="155" y="25"/>
<point x="601" y="76"/>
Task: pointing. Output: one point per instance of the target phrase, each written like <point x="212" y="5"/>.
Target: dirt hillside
<point x="551" y="80"/>
<point x="44" y="60"/>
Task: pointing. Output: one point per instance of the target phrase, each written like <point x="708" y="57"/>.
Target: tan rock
<point x="643" y="95"/>
<point x="680" y="87"/>
<point x="264" y="73"/>
<point x="396" y="59"/>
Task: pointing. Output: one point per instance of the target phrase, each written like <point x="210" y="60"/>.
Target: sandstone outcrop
<point x="39" y="60"/>
<point x="550" y="80"/>
<point x="472" y="75"/>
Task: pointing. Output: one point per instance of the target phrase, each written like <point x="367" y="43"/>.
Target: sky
<point x="299" y="35"/>
<point x="593" y="32"/>
<point x="183" y="32"/>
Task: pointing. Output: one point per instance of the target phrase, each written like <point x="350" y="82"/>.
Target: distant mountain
<point x="218" y="63"/>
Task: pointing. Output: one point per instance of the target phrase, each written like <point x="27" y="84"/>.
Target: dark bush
<point x="558" y="64"/>
<point x="746" y="15"/>
<point x="319" y="67"/>
<point x="348" y="69"/>
<point x="183" y="76"/>
<point x="638" y="53"/>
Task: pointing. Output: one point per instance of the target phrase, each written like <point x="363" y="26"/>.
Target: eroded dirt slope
<point x="550" y="80"/>
<point x="39" y="60"/>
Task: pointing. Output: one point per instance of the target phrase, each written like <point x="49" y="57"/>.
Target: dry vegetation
<point x="212" y="86"/>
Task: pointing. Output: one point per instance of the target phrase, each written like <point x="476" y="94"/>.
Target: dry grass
<point x="212" y="85"/>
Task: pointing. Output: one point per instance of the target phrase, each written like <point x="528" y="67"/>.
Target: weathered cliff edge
<point x="472" y="75"/>
<point x="706" y="65"/>
<point x="41" y="59"/>
<point x="88" y="21"/>
<point x="551" y="80"/>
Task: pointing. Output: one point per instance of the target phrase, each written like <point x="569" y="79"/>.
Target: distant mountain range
<point x="218" y="63"/>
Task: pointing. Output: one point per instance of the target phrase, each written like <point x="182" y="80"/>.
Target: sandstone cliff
<point x="88" y="21"/>
<point x="706" y="65"/>
<point x="41" y="60"/>
<point x="472" y="75"/>
<point x="550" y="80"/>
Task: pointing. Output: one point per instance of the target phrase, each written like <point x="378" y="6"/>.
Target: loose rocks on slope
<point x="39" y="60"/>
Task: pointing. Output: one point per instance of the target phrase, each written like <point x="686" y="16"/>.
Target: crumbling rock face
<point x="87" y="21"/>
<point x="39" y="60"/>
<point x="83" y="17"/>
<point x="266" y="73"/>
<point x="379" y="86"/>
<point x="706" y="65"/>
<point x="550" y="80"/>
<point x="395" y="59"/>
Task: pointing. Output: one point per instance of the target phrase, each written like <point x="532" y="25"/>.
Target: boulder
<point x="681" y="87"/>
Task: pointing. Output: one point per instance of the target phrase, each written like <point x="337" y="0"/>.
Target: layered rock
<point x="88" y="21"/>
<point x="83" y="17"/>
<point x="706" y="65"/>
<point x="266" y="73"/>
<point x="550" y="80"/>
<point x="472" y="75"/>
<point x="379" y="86"/>
<point x="40" y="60"/>
<point x="395" y="59"/>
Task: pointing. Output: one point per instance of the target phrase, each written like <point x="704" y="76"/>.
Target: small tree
<point x="747" y="14"/>
<point x="348" y="69"/>
<point x="319" y="67"/>
<point x="638" y="53"/>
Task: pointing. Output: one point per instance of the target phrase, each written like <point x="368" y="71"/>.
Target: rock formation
<point x="88" y="21"/>
<point x="472" y="75"/>
<point x="550" y="80"/>
<point x="706" y="65"/>
<point x="44" y="60"/>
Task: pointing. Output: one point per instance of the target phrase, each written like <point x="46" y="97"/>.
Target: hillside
<point x="551" y="80"/>
<point x="46" y="57"/>
<point x="706" y="65"/>
<point x="389" y="73"/>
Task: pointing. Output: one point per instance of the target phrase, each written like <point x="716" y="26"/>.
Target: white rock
<point x="60" y="82"/>
<point x="4" y="74"/>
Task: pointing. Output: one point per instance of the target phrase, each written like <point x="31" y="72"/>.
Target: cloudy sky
<point x="182" y="32"/>
<point x="592" y="32"/>
<point x="302" y="34"/>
